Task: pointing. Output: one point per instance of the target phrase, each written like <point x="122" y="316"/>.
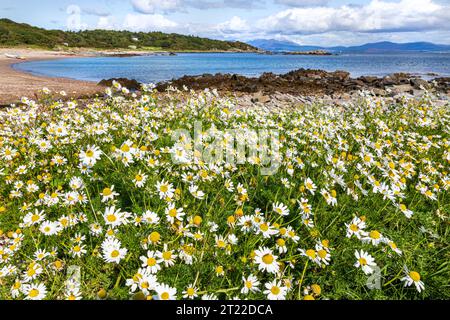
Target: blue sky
<point x="322" y="22"/>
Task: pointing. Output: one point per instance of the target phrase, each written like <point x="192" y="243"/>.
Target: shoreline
<point x="15" y="84"/>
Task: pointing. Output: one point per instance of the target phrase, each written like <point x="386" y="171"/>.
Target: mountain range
<point x="376" y="47"/>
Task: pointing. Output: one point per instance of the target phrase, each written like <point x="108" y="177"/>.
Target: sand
<point x="16" y="84"/>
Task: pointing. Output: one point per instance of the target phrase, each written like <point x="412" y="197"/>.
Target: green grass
<point x="312" y="132"/>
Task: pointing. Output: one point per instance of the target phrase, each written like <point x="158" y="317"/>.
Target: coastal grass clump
<point x="113" y="198"/>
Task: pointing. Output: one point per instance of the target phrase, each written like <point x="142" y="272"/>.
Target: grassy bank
<point x="18" y="34"/>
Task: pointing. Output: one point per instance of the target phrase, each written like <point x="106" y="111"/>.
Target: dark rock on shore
<point x="443" y="83"/>
<point x="121" y="55"/>
<point x="128" y="83"/>
<point x="310" y="82"/>
<point x="305" y="82"/>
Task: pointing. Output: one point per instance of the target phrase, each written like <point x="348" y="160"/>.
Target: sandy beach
<point x="15" y="84"/>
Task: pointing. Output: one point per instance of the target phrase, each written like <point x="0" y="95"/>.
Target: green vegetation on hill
<point x="16" y="34"/>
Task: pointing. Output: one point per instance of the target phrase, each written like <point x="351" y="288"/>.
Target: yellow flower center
<point x="311" y="253"/>
<point x="154" y="236"/>
<point x="362" y="261"/>
<point x="275" y="290"/>
<point x="31" y="272"/>
<point x="316" y="289"/>
<point x="190" y="291"/>
<point x="198" y="220"/>
<point x="165" y="296"/>
<point x="375" y="234"/>
<point x="415" y="276"/>
<point x="322" y="254"/>
<point x="151" y="262"/>
<point x="115" y="254"/>
<point x="125" y="148"/>
<point x="34" y="293"/>
<point x="173" y="212"/>
<point x="167" y="255"/>
<point x="267" y="258"/>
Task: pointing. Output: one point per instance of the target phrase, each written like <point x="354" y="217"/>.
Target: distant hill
<point x="377" y="47"/>
<point x="386" y="46"/>
<point x="18" y="34"/>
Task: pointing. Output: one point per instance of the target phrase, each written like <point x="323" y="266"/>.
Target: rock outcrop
<point x="302" y="82"/>
<point x="310" y="82"/>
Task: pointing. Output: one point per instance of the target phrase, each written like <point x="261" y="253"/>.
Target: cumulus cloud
<point x="153" y="6"/>
<point x="394" y="20"/>
<point x="148" y="22"/>
<point x="376" y="16"/>
<point x="107" y="23"/>
<point x="234" y="25"/>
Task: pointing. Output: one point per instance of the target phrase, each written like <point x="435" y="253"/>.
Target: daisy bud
<point x="102" y="293"/>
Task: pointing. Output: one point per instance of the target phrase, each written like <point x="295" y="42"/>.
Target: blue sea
<point x="161" y="68"/>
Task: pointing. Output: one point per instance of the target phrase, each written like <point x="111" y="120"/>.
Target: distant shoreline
<point x="14" y="83"/>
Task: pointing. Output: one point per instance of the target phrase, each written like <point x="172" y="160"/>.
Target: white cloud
<point x="96" y="11"/>
<point x="377" y="16"/>
<point x="106" y="23"/>
<point x="377" y="20"/>
<point x="148" y="22"/>
<point x="234" y="25"/>
<point x="153" y="6"/>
